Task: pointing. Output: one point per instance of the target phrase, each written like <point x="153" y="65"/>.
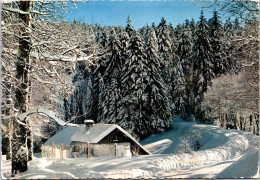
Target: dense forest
<point x="143" y="78"/>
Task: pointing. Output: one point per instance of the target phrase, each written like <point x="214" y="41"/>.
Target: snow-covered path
<point x="210" y="171"/>
<point x="223" y="153"/>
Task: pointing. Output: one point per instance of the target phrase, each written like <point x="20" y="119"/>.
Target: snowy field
<point x="224" y="154"/>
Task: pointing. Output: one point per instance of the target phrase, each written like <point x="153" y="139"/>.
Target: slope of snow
<point x="223" y="153"/>
<point x="167" y="142"/>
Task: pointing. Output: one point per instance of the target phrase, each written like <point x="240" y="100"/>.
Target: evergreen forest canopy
<point x="143" y="78"/>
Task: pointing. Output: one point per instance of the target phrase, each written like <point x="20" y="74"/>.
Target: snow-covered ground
<point x="224" y="154"/>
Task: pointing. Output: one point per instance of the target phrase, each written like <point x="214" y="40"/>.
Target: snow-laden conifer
<point x="158" y="99"/>
<point x="203" y="64"/>
<point x="104" y="39"/>
<point x="111" y="77"/>
<point x="164" y="47"/>
<point x="129" y="28"/>
<point x="185" y="53"/>
<point x="134" y="115"/>
<point x="203" y="55"/>
<point x="217" y="42"/>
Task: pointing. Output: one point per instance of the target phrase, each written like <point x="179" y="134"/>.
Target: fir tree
<point x="203" y="62"/>
<point x="217" y="42"/>
<point x="232" y="59"/>
<point x="203" y="54"/>
<point x="179" y="91"/>
<point x="185" y="53"/>
<point x="178" y="31"/>
<point x="129" y="28"/>
<point x="104" y="39"/>
<point x="193" y="27"/>
<point x="173" y="38"/>
<point x="164" y="49"/>
<point x="124" y="39"/>
<point x="134" y="115"/>
<point x="111" y="77"/>
<point x="157" y="100"/>
<point x="187" y="23"/>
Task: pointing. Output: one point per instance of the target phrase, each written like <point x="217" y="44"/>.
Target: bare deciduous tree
<point x="38" y="49"/>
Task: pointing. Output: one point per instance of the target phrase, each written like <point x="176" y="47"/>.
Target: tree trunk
<point x="30" y="144"/>
<point x="10" y="136"/>
<point x="10" y="113"/>
<point x="19" y="142"/>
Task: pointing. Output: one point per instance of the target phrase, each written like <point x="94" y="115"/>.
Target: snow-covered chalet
<point x="98" y="140"/>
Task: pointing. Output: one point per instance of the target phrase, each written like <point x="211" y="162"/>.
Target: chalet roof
<point x="94" y="134"/>
<point x="64" y="136"/>
<point x="91" y="135"/>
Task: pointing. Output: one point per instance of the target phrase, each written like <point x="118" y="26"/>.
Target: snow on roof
<point x="64" y="136"/>
<point x="92" y="135"/>
<point x="133" y="139"/>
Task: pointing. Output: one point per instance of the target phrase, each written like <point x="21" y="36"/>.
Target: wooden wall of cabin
<point x="117" y="136"/>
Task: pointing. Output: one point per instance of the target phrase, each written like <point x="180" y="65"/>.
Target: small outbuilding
<point x="97" y="140"/>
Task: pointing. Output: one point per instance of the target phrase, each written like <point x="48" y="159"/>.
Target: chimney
<point x="89" y="123"/>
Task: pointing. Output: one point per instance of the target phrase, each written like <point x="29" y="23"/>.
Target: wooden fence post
<point x="41" y="150"/>
<point x="62" y="151"/>
<point x="48" y="155"/>
<point x="52" y="146"/>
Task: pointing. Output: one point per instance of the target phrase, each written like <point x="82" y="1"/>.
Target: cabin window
<point x="115" y="138"/>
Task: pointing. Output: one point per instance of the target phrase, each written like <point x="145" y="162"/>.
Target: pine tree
<point x="187" y="23"/>
<point x="217" y="42"/>
<point x="124" y="39"/>
<point x="104" y="39"/>
<point x="97" y="81"/>
<point x="164" y="48"/>
<point x="129" y="28"/>
<point x="173" y="38"/>
<point x="179" y="91"/>
<point x="101" y="99"/>
<point x="134" y="115"/>
<point x="158" y="99"/>
<point x="203" y="62"/>
<point x="186" y="73"/>
<point x="98" y="33"/>
<point x="193" y="27"/>
<point x="111" y="78"/>
<point x="178" y="31"/>
<point x="145" y="32"/>
<point x="203" y="54"/>
<point x="232" y="59"/>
